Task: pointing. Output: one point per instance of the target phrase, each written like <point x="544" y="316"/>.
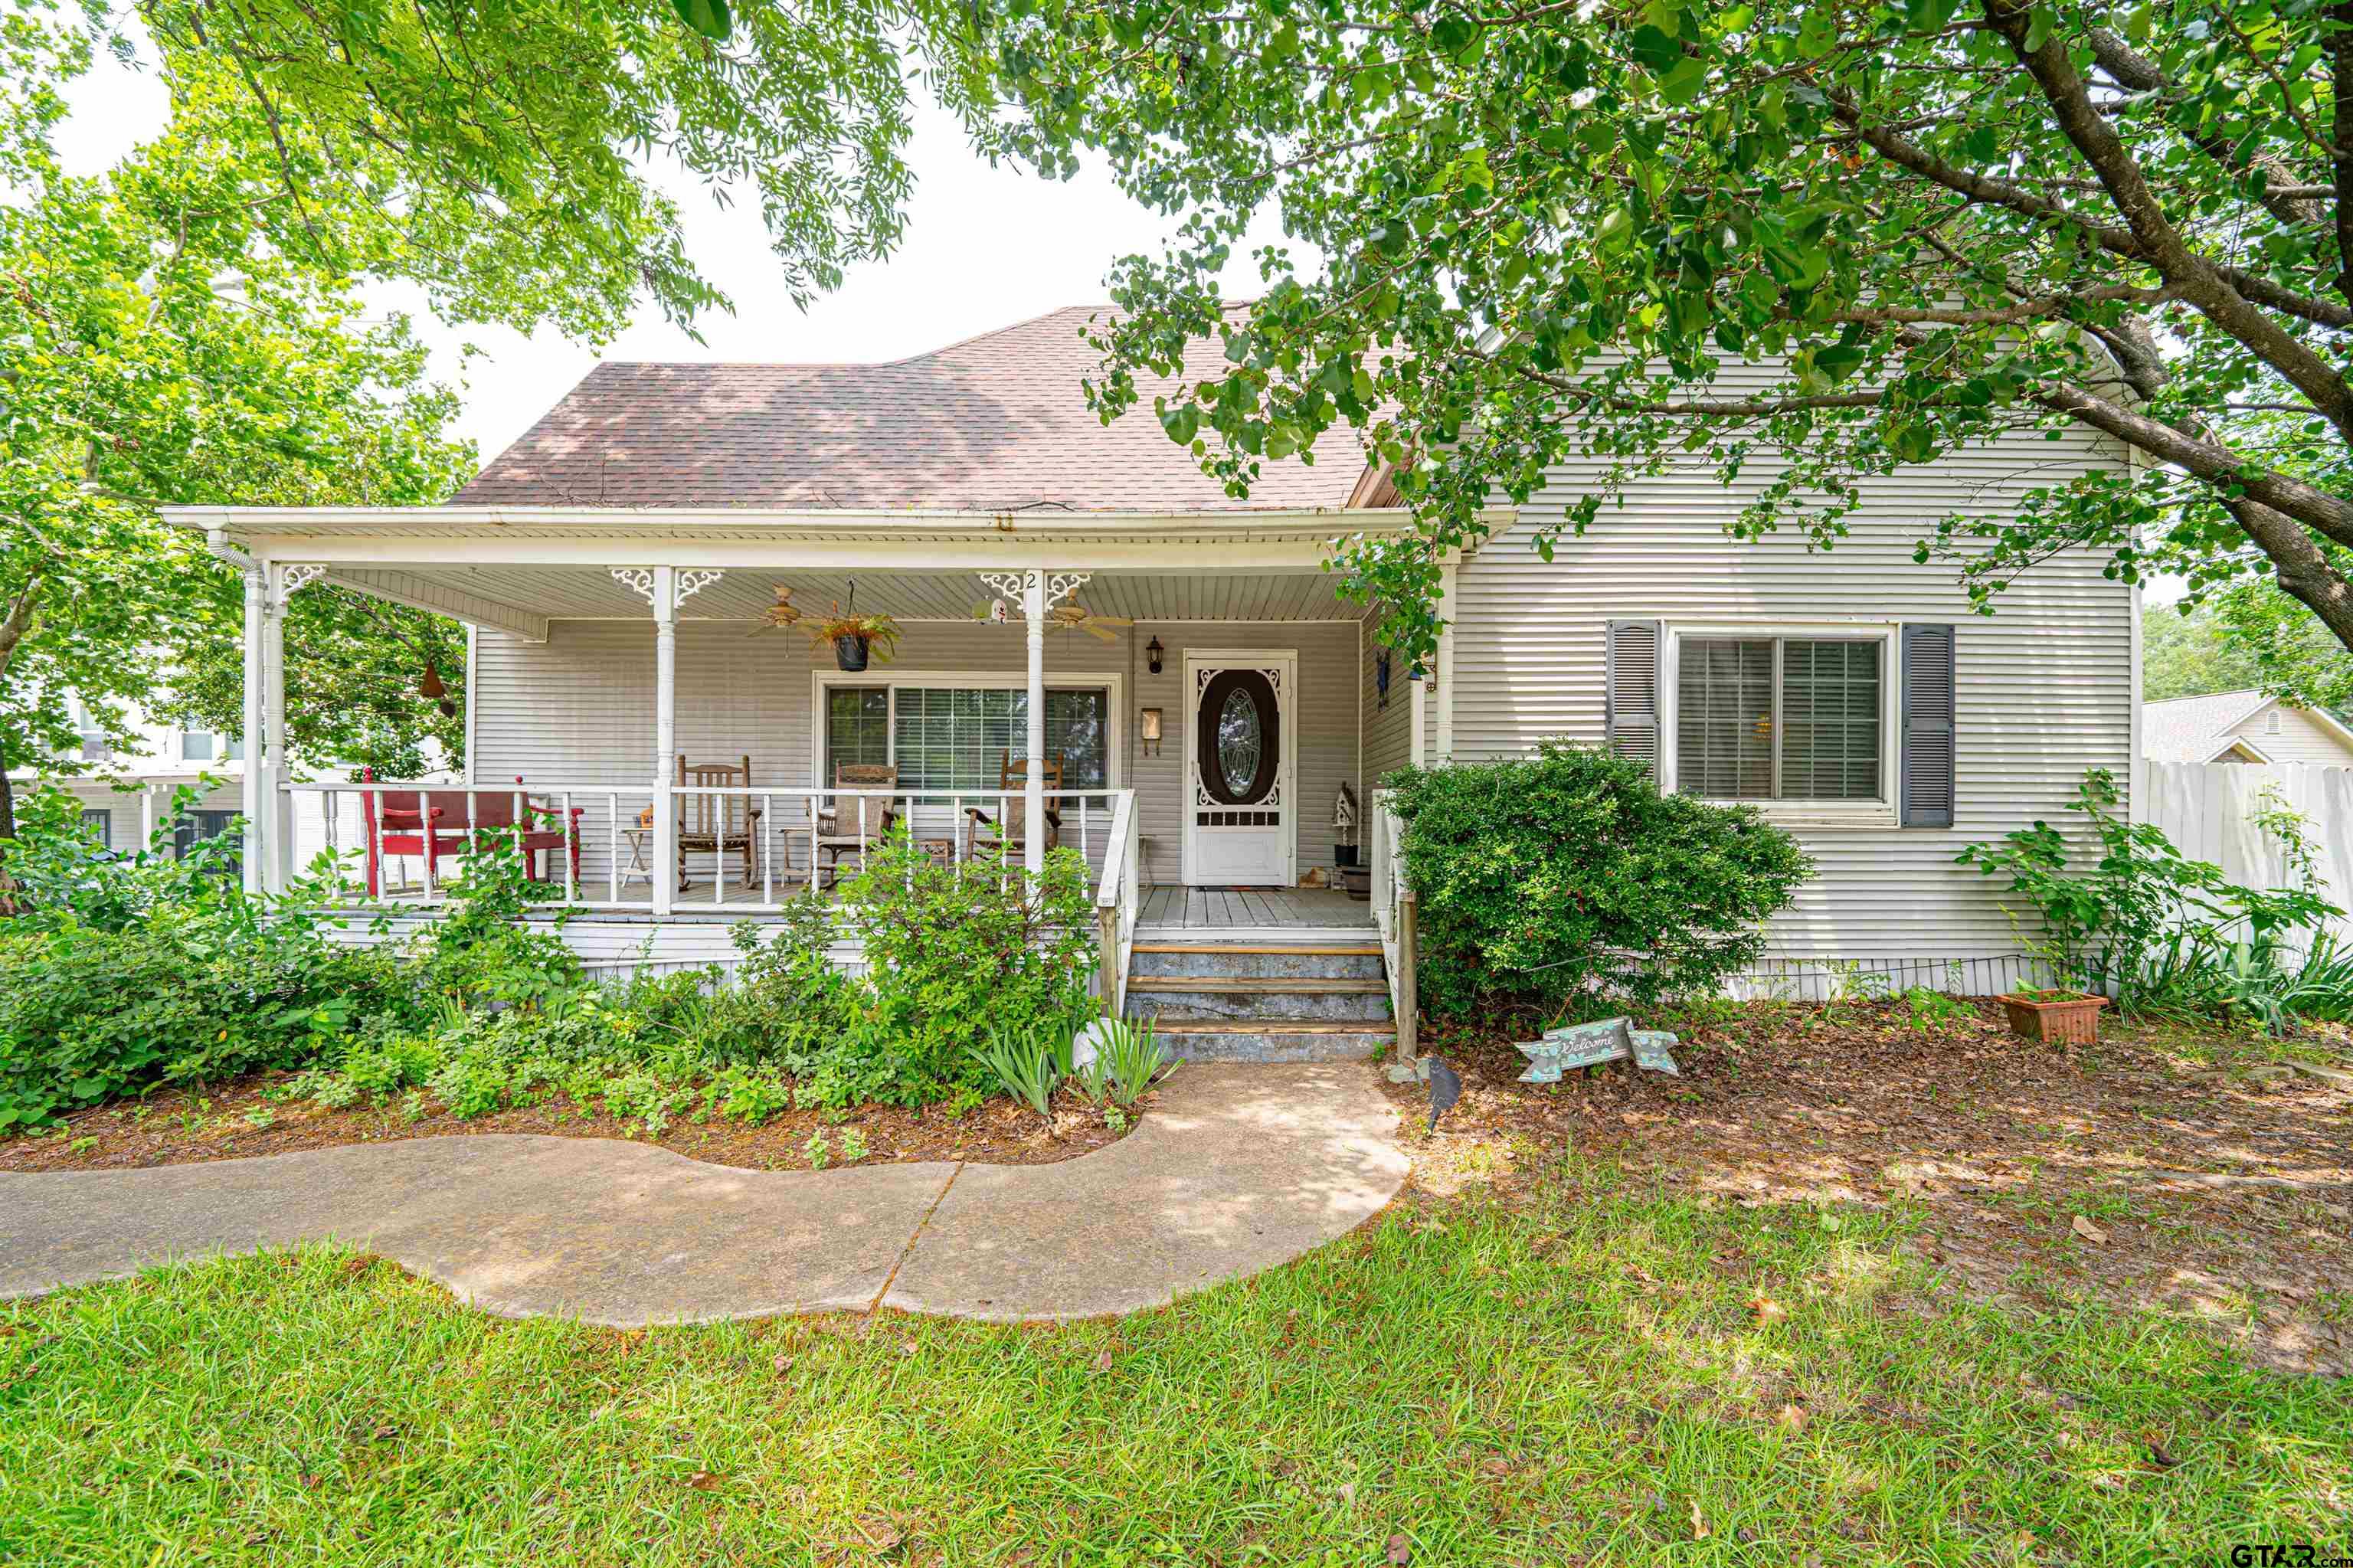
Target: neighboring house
<point x="2243" y="727"/>
<point x="125" y="792"/>
<point x="614" y="564"/>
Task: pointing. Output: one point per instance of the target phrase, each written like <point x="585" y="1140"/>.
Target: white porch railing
<point x="1393" y="913"/>
<point x="595" y="846"/>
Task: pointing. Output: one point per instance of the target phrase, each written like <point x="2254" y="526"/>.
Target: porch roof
<point x="517" y="569"/>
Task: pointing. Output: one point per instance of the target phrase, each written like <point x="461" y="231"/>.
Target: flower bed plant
<point x="124" y="976"/>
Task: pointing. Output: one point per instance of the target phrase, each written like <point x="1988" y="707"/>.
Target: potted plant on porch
<point x="854" y="636"/>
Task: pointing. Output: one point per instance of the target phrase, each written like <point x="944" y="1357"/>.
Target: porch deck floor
<point x="1178" y="908"/>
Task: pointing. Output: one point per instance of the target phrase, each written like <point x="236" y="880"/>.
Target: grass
<point x="1582" y="1370"/>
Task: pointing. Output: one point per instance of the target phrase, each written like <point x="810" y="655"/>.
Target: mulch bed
<point x="2219" y="1193"/>
<point x="218" y="1122"/>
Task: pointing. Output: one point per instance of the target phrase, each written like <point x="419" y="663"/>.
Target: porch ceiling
<point x="523" y="598"/>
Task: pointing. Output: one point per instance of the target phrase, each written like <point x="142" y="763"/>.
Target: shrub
<point x="2158" y="931"/>
<point x="120" y="974"/>
<point x="952" y="950"/>
<point x="1541" y="877"/>
<point x="483" y="949"/>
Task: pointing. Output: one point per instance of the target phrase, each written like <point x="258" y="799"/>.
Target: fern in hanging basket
<point x="852" y="636"/>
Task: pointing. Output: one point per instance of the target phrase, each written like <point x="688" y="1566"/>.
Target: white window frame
<point x="1112" y="682"/>
<point x="1879" y="812"/>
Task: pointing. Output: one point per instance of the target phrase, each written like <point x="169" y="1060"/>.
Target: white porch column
<point x="1033" y="778"/>
<point x="146" y="817"/>
<point x="664" y="880"/>
<point x="280" y="583"/>
<point x="1446" y="665"/>
<point x="257" y="612"/>
<point x="1038" y="593"/>
<point x="1418" y="712"/>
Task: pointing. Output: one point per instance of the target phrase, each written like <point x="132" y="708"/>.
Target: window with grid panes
<point x="945" y="739"/>
<point x="1778" y="718"/>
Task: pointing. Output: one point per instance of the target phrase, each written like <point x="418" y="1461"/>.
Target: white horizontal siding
<point x="1389" y="723"/>
<point x="580" y="706"/>
<point x="2045" y="686"/>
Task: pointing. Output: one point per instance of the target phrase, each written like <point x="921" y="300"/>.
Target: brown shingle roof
<point x="997" y="423"/>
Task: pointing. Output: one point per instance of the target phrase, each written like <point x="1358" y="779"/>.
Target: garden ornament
<point x="1592" y="1044"/>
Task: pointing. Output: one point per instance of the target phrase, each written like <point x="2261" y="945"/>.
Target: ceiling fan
<point x="780" y="615"/>
<point x="1070" y="617"/>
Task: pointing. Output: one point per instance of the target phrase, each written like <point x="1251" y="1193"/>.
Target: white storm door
<point x="1241" y="752"/>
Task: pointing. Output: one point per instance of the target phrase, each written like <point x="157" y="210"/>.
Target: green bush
<point x="1539" y="878"/>
<point x="951" y="951"/>
<point x="120" y="974"/>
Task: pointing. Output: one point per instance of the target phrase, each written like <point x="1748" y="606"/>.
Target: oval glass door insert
<point x="1241" y="741"/>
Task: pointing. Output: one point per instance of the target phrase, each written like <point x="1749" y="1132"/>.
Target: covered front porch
<point x="644" y="706"/>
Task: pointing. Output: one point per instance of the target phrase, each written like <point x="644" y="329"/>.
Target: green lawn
<point x="1578" y="1370"/>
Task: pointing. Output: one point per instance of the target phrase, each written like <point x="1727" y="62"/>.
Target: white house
<point x="125" y="792"/>
<point x="2244" y="727"/>
<point x="616" y="562"/>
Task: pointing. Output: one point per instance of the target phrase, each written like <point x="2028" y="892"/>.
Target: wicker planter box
<point x="2068" y="1019"/>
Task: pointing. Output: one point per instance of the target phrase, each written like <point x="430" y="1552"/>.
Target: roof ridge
<point x="996" y="332"/>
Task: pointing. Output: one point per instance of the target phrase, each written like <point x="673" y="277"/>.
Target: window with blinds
<point x="1778" y="718"/>
<point x="943" y="739"/>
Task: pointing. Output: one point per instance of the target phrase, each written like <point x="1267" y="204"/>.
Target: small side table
<point x="638" y="869"/>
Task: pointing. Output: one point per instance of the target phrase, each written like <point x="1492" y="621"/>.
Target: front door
<point x="1239" y="751"/>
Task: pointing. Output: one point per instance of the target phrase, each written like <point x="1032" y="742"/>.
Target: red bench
<point x="432" y="824"/>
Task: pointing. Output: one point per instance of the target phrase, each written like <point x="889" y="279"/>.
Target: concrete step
<point x="1269" y="961"/>
<point x="1283" y="1040"/>
<point x="1361" y="1001"/>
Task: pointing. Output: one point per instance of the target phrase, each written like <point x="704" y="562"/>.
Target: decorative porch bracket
<point x="1038" y="591"/>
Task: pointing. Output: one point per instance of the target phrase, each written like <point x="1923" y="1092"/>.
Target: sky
<point x="984" y="247"/>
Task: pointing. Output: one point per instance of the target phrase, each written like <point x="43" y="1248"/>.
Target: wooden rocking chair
<point x="1011" y="835"/>
<point x="853" y="826"/>
<point x="717" y="825"/>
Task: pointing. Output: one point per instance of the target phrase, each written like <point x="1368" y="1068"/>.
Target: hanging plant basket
<point x="856" y="638"/>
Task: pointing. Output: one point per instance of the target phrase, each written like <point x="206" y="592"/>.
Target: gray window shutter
<point x="1928" y="766"/>
<point x="1630" y="702"/>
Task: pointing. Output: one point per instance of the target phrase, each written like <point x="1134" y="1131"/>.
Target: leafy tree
<point x="1600" y="226"/>
<point x="500" y="154"/>
<point x="2249" y="638"/>
<point x="162" y="348"/>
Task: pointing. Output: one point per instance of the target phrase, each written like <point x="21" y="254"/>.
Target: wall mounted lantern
<point x="1153" y="653"/>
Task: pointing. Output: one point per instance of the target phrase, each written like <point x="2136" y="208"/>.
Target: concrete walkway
<point x="1236" y="1169"/>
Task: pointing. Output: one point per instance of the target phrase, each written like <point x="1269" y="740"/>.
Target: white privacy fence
<point x="2210" y="810"/>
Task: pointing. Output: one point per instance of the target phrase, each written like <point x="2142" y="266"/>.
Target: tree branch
<point x="2217" y="464"/>
<point x="2191" y="275"/>
<point x="1905" y="154"/>
<point x="2285" y="197"/>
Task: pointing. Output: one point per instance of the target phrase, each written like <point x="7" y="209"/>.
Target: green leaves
<point x="1182" y="421"/>
<point x="708" y="17"/>
<point x="165" y="350"/>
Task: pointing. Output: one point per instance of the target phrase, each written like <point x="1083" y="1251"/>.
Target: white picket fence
<point x="2208" y="810"/>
